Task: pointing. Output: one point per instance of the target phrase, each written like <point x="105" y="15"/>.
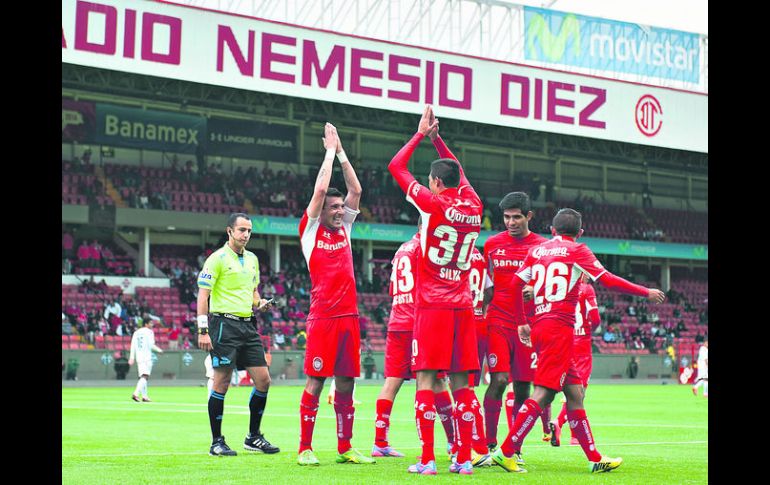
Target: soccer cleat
<point x="329" y="398"/>
<point x="354" y="456"/>
<point x="426" y="469"/>
<point x="307" y="457"/>
<point x="135" y="397"/>
<point x="465" y="468"/>
<point x="604" y="465"/>
<point x="519" y="458"/>
<point x="220" y="448"/>
<point x="546" y="437"/>
<point x="386" y="451"/>
<point x="694" y="391"/>
<point x="259" y="444"/>
<point x="507" y="463"/>
<point x="482" y="460"/>
<point x="146" y="399"/>
<point x="555" y="433"/>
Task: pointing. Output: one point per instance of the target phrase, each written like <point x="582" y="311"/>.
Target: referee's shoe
<point x="220" y="448"/>
<point x="259" y="444"/>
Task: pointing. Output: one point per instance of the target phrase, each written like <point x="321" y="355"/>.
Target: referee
<point x="230" y="277"/>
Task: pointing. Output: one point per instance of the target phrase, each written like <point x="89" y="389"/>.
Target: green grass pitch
<point x="661" y="431"/>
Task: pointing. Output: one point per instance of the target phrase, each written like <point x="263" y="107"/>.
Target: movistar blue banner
<point x="149" y="129"/>
<point x="398" y="233"/>
<point x="607" y="45"/>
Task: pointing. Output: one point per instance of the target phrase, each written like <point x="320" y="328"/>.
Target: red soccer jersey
<point x="586" y="317"/>
<point x="554" y="269"/>
<point x="477" y="278"/>
<point x="505" y="255"/>
<point x="330" y="262"/>
<point x="402" y="284"/>
<point x="451" y="222"/>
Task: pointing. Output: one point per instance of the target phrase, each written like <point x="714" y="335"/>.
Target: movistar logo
<point x="363" y="230"/>
<point x="260" y="225"/>
<point x="552" y="46"/>
<point x="699" y="251"/>
<point x="624" y="246"/>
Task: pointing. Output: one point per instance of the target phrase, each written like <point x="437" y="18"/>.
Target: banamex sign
<point x="210" y="47"/>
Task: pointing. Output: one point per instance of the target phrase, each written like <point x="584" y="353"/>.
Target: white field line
<point x="534" y="445"/>
<point x="229" y="409"/>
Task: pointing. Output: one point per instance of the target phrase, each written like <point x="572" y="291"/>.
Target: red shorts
<point x="333" y="347"/>
<point x="508" y="354"/>
<point x="398" y="355"/>
<point x="444" y="339"/>
<point x="553" y="342"/>
<point x="482" y="345"/>
<point x="584" y="364"/>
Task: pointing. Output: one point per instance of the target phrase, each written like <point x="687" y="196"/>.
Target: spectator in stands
<point x="67" y="244"/>
<point x="66" y="326"/>
<point x="637" y="344"/>
<point x="301" y="339"/>
<point x="279" y="340"/>
<point x="680" y="327"/>
<point x="84" y="255"/>
<point x="609" y="335"/>
<point x="96" y="254"/>
<point x="631" y="310"/>
<point x="113" y="309"/>
<point x="173" y="337"/>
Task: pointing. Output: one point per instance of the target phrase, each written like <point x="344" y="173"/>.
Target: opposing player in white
<point x="703" y="370"/>
<point x="142" y="345"/>
<point x="234" y="380"/>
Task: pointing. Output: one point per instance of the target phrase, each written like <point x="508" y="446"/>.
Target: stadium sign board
<point x="148" y="129"/>
<point x="367" y="231"/>
<point x="205" y="46"/>
<point x="251" y="139"/>
<point x="599" y="44"/>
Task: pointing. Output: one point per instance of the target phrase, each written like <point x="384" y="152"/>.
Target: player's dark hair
<point x="516" y="200"/>
<point x="333" y="192"/>
<point x="234" y="217"/>
<point x="446" y="169"/>
<point x="567" y="222"/>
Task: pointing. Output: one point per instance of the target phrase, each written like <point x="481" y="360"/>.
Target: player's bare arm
<point x="324" y="173"/>
<point x="353" y="186"/>
<point x="204" y="340"/>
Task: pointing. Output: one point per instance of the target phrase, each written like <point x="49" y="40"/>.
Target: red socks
<point x="479" y="443"/>
<point x="464" y="417"/>
<point x="382" y="422"/>
<point x="308" y="408"/>
<point x="578" y="423"/>
<point x="425" y="414"/>
<point x="444" y="410"/>
<point x="510" y="401"/>
<point x="492" y="414"/>
<point x="522" y="425"/>
<point x="343" y="408"/>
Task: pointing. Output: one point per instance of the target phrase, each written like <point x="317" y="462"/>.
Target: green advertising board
<point x="368" y="231"/>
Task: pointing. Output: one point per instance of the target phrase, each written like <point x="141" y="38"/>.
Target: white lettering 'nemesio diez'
<point x="330" y="261"/>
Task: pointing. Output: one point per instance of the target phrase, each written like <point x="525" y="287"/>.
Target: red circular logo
<point x="648" y="115"/>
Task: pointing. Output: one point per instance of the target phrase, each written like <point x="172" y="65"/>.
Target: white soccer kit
<point x="142" y="345"/>
<point x="703" y="366"/>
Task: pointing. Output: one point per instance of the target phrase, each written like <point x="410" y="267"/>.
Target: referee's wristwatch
<point x="203" y="331"/>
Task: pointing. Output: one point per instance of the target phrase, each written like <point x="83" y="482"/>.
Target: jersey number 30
<point x="448" y="242"/>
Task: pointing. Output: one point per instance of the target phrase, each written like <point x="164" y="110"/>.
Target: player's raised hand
<point x="425" y="121"/>
<point x="656" y="296"/>
<point x="433" y="126"/>
<point x="337" y="138"/>
<point x="330" y="139"/>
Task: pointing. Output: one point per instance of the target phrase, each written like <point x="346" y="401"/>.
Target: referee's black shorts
<point x="236" y="343"/>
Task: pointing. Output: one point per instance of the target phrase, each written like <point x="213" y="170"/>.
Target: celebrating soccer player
<point x="333" y="336"/>
<point x="444" y="330"/>
<point x="554" y="268"/>
<point x="507" y="356"/>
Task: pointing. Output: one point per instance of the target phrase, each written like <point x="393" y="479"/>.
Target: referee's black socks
<point x="216" y="409"/>
<point x="257" y="404"/>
